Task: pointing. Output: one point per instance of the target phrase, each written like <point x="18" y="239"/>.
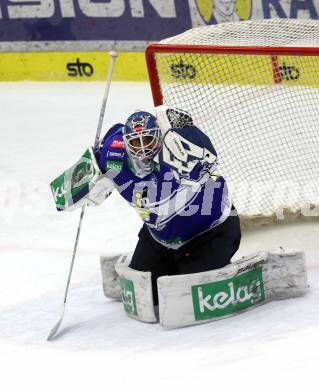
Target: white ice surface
<point x="43" y="127"/>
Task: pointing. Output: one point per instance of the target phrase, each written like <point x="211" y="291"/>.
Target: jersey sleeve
<point x="111" y="149"/>
<point x="110" y="154"/>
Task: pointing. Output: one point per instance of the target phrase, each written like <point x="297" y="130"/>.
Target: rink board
<point x="72" y="66"/>
<point x="131" y="66"/>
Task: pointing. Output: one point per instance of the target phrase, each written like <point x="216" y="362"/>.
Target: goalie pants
<point x="210" y="250"/>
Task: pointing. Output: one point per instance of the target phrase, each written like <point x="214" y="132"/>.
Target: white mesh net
<point x="260" y="111"/>
<point x="270" y="32"/>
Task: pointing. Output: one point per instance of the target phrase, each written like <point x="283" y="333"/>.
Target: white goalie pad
<point x="137" y="294"/>
<point x="110" y="279"/>
<point x="253" y="280"/>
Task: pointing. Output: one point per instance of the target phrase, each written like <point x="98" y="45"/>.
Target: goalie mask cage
<point x="253" y="88"/>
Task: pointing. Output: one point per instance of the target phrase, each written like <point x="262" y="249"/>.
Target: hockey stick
<point x="56" y="327"/>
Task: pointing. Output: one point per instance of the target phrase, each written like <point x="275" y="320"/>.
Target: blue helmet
<point x="142" y="135"/>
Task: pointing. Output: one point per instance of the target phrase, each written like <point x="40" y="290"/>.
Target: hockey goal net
<point x="253" y="87"/>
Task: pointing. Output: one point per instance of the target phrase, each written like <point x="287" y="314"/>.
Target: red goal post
<point x="255" y="92"/>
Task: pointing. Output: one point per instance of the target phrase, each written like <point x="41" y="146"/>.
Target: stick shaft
<point x="113" y="56"/>
<point x="74" y="253"/>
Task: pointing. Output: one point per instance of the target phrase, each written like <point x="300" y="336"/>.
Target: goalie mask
<point x="142" y="136"/>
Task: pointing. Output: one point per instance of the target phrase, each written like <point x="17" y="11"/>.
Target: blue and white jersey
<point x="180" y="194"/>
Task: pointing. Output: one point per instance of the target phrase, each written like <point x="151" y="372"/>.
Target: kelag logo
<point x="128" y="295"/>
<point x="184" y="71"/>
<point x="79" y="68"/>
<point x="218" y="299"/>
<point x="114" y="165"/>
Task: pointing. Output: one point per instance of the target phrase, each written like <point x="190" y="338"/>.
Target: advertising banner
<point x="221" y="11"/>
<point x="71" y="66"/>
<point x="90" y="24"/>
<point x="129" y="25"/>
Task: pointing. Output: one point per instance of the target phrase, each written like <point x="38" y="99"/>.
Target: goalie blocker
<point x="206" y="296"/>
